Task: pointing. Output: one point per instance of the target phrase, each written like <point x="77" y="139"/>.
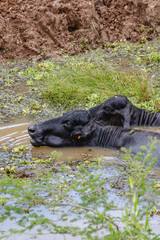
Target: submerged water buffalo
<point x="76" y="128"/>
<point x="119" y="111"/>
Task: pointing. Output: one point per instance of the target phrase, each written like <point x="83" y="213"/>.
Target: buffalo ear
<point x="84" y="133"/>
<point x="83" y="117"/>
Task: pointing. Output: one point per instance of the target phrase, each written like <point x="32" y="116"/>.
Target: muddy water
<point x="151" y="129"/>
<point x="12" y="134"/>
<point x="15" y="133"/>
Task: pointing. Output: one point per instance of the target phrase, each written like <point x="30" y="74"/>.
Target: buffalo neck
<point x="148" y="119"/>
<point x="109" y="137"/>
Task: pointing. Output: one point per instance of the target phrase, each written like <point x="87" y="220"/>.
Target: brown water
<point x="151" y="129"/>
<point x="15" y="133"/>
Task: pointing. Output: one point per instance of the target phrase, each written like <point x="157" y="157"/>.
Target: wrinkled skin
<point x="119" y="111"/>
<point x="76" y="128"/>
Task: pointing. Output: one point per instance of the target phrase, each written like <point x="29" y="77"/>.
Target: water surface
<point x="15" y="133"/>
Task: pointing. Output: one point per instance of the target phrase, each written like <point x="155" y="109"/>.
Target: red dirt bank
<point x="51" y="27"/>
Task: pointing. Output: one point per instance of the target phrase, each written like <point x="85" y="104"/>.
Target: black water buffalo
<point x="76" y="128"/>
<point x="119" y="111"/>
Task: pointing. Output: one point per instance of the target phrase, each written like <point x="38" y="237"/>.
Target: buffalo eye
<point x="67" y="124"/>
<point x="108" y="109"/>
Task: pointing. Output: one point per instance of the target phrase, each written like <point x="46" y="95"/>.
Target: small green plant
<point x="143" y="39"/>
<point x="10" y="169"/>
<point x="18" y="149"/>
<point x="92" y="100"/>
<point x="136" y="217"/>
<point x="154" y="57"/>
<point x="56" y="154"/>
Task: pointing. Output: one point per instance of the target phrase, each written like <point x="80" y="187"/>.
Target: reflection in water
<point x="12" y="134"/>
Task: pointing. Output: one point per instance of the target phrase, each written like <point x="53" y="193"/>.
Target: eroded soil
<point x="48" y="28"/>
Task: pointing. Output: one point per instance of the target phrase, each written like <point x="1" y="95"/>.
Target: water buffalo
<point x="119" y="111"/>
<point x="77" y="128"/>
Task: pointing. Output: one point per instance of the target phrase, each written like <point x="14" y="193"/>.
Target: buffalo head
<point x="119" y="111"/>
<point x="115" y="111"/>
<point x="73" y="128"/>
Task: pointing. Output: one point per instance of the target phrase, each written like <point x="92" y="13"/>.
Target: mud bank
<point x="50" y="28"/>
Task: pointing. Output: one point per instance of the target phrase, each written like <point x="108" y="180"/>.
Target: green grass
<point x="154" y="56"/>
<point x="73" y="81"/>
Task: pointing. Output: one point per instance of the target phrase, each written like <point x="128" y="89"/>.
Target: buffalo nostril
<point x="31" y="129"/>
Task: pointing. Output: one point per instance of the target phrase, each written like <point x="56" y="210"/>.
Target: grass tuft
<point x="83" y="81"/>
